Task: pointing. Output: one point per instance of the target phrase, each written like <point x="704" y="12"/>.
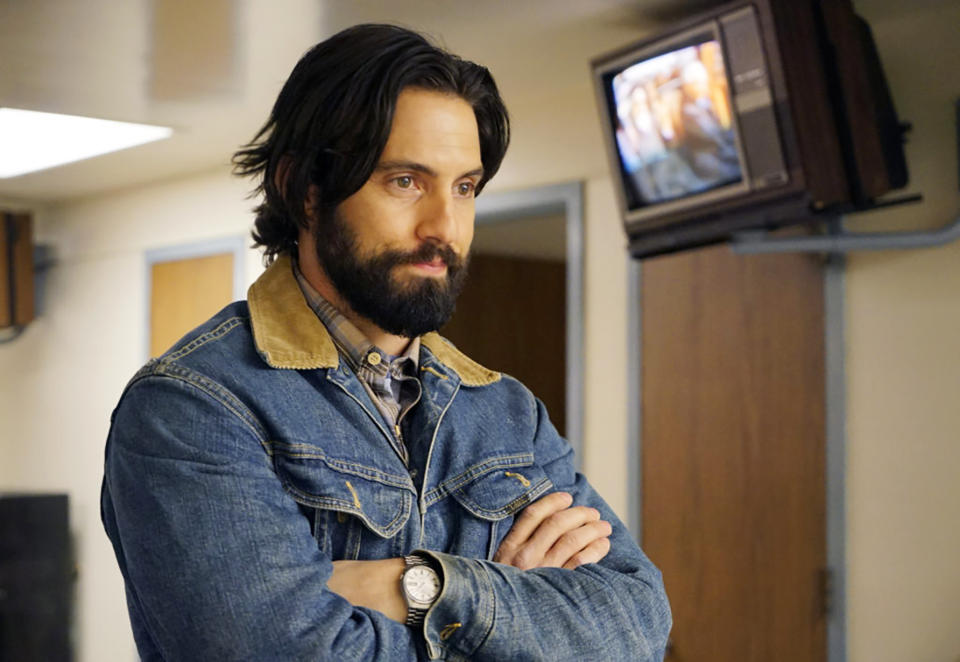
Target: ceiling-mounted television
<point x="757" y="114"/>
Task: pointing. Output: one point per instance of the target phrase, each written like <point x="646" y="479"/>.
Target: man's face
<point x="396" y="250"/>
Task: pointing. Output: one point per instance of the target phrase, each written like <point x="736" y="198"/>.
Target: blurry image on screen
<point x="674" y="124"/>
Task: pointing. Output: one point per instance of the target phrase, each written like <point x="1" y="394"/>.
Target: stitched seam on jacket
<point x="341" y="466"/>
<point x="341" y="505"/>
<point x="512" y="507"/>
<point x="225" y="327"/>
<point x="208" y="386"/>
<point x="450" y="485"/>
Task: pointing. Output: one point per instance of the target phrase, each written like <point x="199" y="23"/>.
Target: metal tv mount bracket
<point x="838" y="241"/>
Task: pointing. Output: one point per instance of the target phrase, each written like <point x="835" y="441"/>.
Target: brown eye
<point x="404" y="182"/>
<point x="465" y="188"/>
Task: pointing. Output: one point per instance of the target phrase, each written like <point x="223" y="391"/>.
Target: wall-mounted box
<point x="16" y="270"/>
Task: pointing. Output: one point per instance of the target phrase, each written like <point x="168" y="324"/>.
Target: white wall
<point x="605" y="352"/>
<point x="903" y="376"/>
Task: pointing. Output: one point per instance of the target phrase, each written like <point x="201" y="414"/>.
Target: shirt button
<point x="413" y="473"/>
<point x="374" y="358"/>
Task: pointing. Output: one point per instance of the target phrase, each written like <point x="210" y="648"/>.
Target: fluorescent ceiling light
<point x="31" y="141"/>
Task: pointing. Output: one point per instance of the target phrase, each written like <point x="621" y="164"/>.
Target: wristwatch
<point x="420" y="585"/>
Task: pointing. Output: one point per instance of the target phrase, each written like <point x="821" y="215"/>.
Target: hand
<point x="372" y="584"/>
<point x="551" y="533"/>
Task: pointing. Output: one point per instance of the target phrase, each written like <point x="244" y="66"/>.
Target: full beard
<point x="367" y="285"/>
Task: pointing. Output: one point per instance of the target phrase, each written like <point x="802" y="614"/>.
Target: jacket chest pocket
<point x="355" y="511"/>
<point x="492" y="493"/>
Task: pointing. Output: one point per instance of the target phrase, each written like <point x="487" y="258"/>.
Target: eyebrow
<point x="420" y="167"/>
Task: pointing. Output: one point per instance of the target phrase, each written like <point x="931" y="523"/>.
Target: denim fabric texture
<point x="246" y="459"/>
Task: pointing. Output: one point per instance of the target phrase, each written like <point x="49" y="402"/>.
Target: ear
<point x="311" y="202"/>
<point x="305" y="233"/>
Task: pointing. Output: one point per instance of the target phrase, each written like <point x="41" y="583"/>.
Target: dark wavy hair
<point x="332" y="119"/>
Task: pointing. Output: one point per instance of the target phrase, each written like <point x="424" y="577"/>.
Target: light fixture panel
<point x="31" y="141"/>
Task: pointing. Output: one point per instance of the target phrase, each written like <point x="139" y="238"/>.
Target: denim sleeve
<point x="613" y="610"/>
<point x="218" y="561"/>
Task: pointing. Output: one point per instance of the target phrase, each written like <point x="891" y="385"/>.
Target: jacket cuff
<point x="462" y="617"/>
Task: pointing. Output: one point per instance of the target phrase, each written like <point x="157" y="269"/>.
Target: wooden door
<point x="184" y="293"/>
<point x="733" y="444"/>
<point x="511" y="317"/>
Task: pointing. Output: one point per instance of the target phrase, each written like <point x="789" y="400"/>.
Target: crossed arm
<point x="549" y="533"/>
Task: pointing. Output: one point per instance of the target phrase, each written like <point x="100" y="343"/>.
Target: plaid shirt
<point x="390" y="380"/>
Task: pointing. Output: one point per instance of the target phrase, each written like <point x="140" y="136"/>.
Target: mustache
<point x="430" y="252"/>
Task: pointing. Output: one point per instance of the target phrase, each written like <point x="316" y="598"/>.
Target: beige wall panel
<point x="193" y="50"/>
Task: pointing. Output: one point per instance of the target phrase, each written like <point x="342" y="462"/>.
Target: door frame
<point x="235" y="245"/>
<point x="836" y="442"/>
<point x="565" y="199"/>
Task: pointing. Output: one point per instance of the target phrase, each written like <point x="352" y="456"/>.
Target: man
<point x="315" y="474"/>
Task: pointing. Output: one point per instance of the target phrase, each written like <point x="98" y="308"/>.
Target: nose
<point x="438" y="219"/>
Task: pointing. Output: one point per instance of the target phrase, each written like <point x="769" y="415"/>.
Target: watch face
<point x="421" y="584"/>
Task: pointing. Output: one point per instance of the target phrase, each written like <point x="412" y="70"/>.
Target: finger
<point x="573" y="542"/>
<point x="592" y="553"/>
<point x="531" y="553"/>
<point x="527" y="522"/>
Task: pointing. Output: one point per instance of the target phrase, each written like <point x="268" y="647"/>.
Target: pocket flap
<point x="381" y="501"/>
<point x="502" y="487"/>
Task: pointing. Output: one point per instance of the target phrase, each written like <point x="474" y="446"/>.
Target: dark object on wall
<point x="755" y="115"/>
<point x="36" y="577"/>
<point x="16" y="270"/>
<point x="956" y="109"/>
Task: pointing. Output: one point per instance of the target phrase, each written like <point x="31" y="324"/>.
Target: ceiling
<point x="114" y="60"/>
<point x="211" y="69"/>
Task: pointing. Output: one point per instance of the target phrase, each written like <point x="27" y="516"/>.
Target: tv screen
<point x="674" y="128"/>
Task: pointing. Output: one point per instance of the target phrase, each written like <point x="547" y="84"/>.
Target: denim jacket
<point x="246" y="459"/>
